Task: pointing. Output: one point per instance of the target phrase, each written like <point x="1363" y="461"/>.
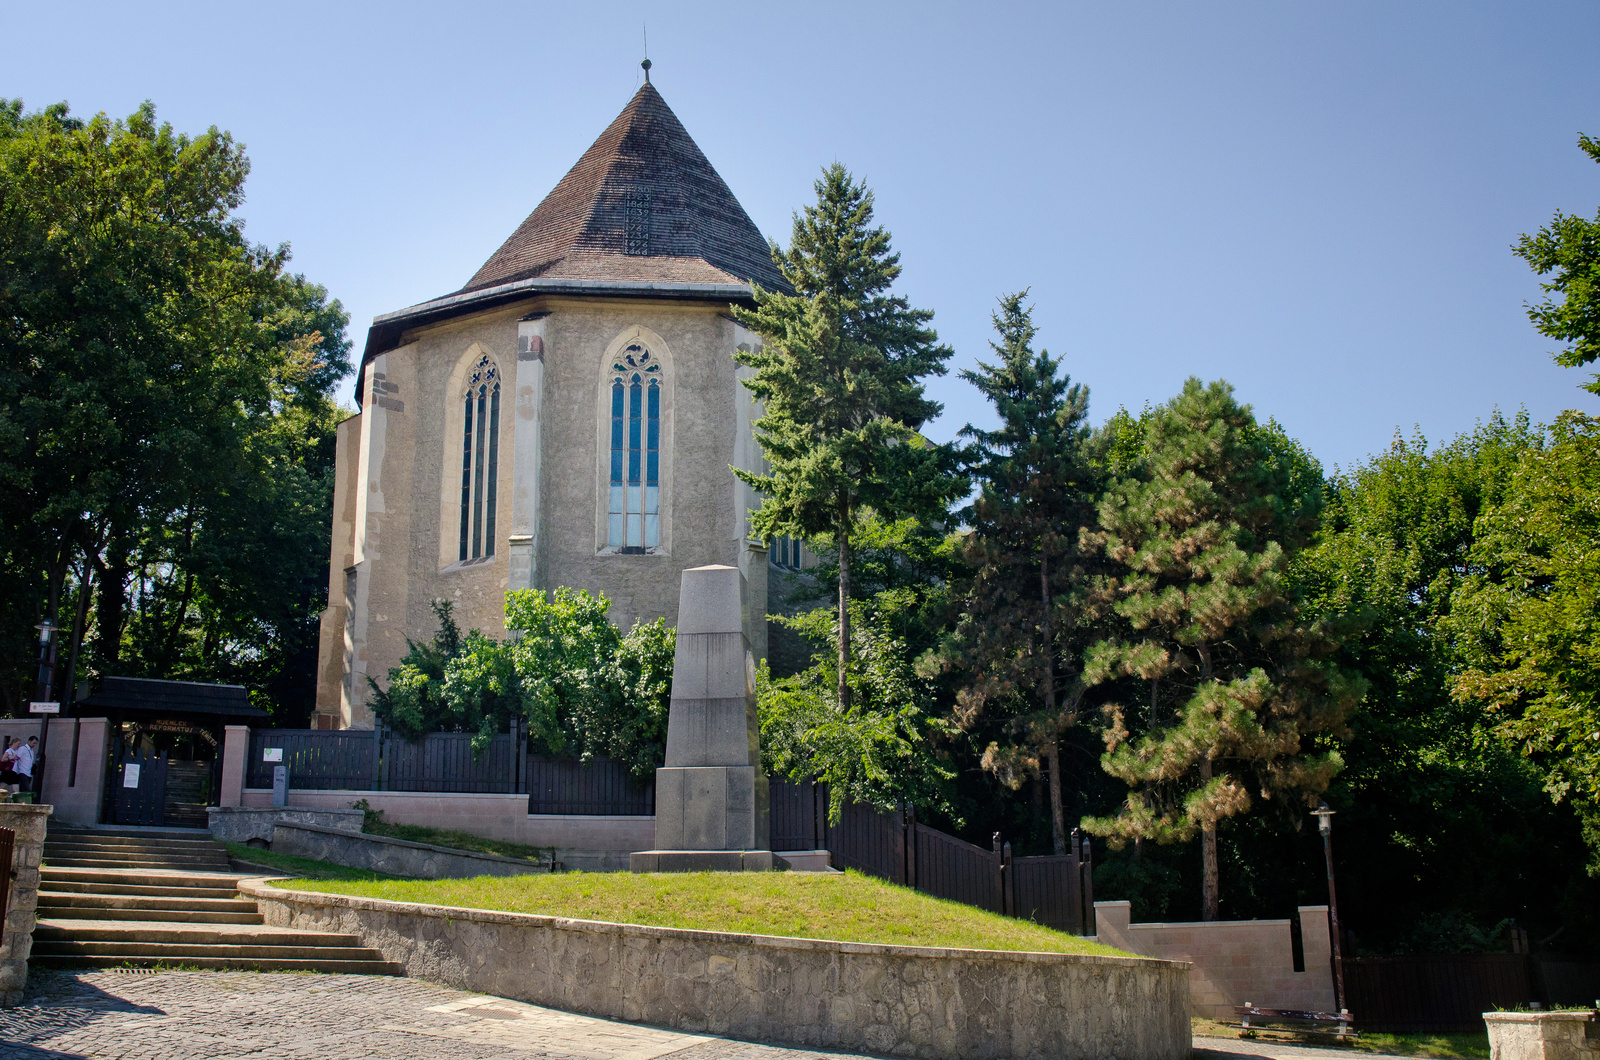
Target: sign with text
<point x="130" y="775"/>
<point x="44" y="708"/>
<point x="272" y="754"/>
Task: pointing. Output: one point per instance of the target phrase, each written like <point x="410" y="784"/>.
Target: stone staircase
<point x="145" y="898"/>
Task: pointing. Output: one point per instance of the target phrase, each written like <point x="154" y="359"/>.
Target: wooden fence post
<point x="911" y="847"/>
<point x="999" y="873"/>
<point x="1008" y="892"/>
<point x="1086" y="875"/>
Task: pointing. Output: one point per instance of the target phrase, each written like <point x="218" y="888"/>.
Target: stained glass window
<point x="480" y="460"/>
<point x="635" y="502"/>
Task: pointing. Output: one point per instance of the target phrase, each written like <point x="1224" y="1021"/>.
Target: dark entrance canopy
<point x="141" y="698"/>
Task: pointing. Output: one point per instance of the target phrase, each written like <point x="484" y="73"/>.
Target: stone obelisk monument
<point x="711" y="795"/>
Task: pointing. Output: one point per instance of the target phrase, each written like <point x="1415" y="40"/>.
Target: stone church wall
<point x="395" y="526"/>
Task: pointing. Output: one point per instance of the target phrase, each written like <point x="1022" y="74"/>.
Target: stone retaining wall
<point x="240" y="824"/>
<point x="939" y="1004"/>
<point x="16" y="933"/>
<point x="1543" y="1035"/>
<point x="397" y="857"/>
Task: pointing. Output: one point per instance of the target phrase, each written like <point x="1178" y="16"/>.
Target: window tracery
<point x="480" y="460"/>
<point x="635" y="481"/>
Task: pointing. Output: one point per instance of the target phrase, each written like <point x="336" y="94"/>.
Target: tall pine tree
<point x="1023" y="613"/>
<point x="839" y="374"/>
<point x="1239" y="685"/>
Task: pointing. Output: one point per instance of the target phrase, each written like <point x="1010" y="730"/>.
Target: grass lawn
<point x="846" y="908"/>
<point x="1471" y="1046"/>
<point x="304" y="868"/>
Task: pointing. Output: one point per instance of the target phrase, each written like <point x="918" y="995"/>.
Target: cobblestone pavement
<point x="190" y="1015"/>
<point x="1208" y="1048"/>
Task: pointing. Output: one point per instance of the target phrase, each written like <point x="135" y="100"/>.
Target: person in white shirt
<point x="10" y="779"/>
<point x="27" y="754"/>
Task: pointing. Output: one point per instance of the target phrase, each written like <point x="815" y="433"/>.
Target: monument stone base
<point x="701" y="861"/>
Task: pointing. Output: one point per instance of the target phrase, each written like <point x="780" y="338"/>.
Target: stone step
<point x="130" y="831"/>
<point x="195" y="865"/>
<point x="225" y="964"/>
<point x="123" y="875"/>
<point x="59" y="900"/>
<point x="90" y="850"/>
<point x="170" y="950"/>
<point x="175" y="916"/>
<point x="88" y="839"/>
<point x="50" y="929"/>
<point x="138" y="890"/>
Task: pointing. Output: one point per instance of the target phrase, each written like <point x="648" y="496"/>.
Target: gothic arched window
<point x="635" y="510"/>
<point x="480" y="459"/>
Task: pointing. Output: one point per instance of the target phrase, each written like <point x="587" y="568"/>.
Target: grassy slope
<point x="847" y="908"/>
<point x="444" y="837"/>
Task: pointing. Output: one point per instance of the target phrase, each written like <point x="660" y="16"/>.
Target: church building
<point x="567" y="418"/>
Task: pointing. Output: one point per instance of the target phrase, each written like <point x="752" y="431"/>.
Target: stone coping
<point x="263" y="888"/>
<point x="347" y="833"/>
<point x="1582" y="1015"/>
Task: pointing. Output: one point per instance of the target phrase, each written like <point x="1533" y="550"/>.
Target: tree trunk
<point x="109" y="612"/>
<point x="844" y="610"/>
<point x="1209" y="899"/>
<point x="1058" y="815"/>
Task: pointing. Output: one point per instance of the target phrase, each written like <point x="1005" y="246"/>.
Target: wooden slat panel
<point x="601" y="787"/>
<point x="1421" y="994"/>
<point x="1047" y="890"/>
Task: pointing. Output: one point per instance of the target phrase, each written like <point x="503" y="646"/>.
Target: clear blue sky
<point x="1313" y="200"/>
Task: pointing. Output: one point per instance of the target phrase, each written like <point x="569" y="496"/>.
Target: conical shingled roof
<point x="642" y="205"/>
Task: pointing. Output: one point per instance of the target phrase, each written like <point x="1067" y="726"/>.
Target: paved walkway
<point x="295" y="1016"/>
<point x="1207" y="1048"/>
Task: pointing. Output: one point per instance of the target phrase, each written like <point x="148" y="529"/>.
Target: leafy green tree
<point x="1451" y="821"/>
<point x="165" y="404"/>
<point x="1569" y="246"/>
<point x="1240" y="684"/>
<point x="1024" y="616"/>
<point x="839" y="375"/>
<point x="883" y="747"/>
<point x="1528" y="615"/>
<point x="582" y="688"/>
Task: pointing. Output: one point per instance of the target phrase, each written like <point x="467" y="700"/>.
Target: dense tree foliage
<point x="1026" y="610"/>
<point x="839" y="373"/>
<point x="1569" y="246"/>
<point x="579" y="686"/>
<point x="165" y="409"/>
<point x="1239" y="684"/>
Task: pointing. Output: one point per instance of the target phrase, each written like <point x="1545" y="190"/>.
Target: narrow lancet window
<point x="480" y="458"/>
<point x="635" y="509"/>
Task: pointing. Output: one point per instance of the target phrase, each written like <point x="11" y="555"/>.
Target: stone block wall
<point x="1234" y="961"/>
<point x="16" y="937"/>
<point x="1543" y="1035"/>
<point x="936" y="1004"/>
<point x="397" y="857"/>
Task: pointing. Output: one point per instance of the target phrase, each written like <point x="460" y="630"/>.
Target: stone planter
<point x="1543" y="1035"/>
<point x="16" y="939"/>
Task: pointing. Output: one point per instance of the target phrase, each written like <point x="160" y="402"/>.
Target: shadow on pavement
<point x="57" y="1003"/>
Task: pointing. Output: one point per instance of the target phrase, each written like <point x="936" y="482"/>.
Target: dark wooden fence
<point x="368" y="760"/>
<point x="893" y="845"/>
<point x="1438" y="994"/>
<point x="599" y="787"/>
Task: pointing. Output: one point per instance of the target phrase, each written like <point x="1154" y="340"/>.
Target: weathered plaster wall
<point x="407" y="440"/>
<point x="16" y="934"/>
<point x="909" y="1001"/>
<point x="333" y="645"/>
<point x="1234" y="961"/>
<point x="75" y="793"/>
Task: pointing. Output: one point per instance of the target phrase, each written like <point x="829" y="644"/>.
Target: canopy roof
<point x="172" y="699"/>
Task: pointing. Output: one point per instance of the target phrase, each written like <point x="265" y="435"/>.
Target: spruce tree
<point x="1024" y="606"/>
<point x="1239" y="685"/>
<point x="839" y="374"/>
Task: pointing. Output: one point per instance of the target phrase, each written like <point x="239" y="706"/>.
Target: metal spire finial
<point x="646" y="65"/>
<point x="645" y="28"/>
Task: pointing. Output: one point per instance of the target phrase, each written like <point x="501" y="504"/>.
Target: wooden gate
<point x="141" y="792"/>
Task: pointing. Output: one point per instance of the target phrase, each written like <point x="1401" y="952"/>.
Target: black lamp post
<point x="1324" y="818"/>
<point x="47" y="680"/>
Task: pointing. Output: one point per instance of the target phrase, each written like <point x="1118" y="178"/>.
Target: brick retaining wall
<point x="938" y="1004"/>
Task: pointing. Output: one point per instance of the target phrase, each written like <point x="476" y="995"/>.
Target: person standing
<point x="10" y="779"/>
<point x="27" y="754"/>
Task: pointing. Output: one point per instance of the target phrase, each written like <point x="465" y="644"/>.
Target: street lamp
<point x="1324" y="818"/>
<point x="47" y="675"/>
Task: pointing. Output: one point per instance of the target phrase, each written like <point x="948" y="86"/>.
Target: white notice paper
<point x="272" y="754"/>
<point x="130" y="775"/>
